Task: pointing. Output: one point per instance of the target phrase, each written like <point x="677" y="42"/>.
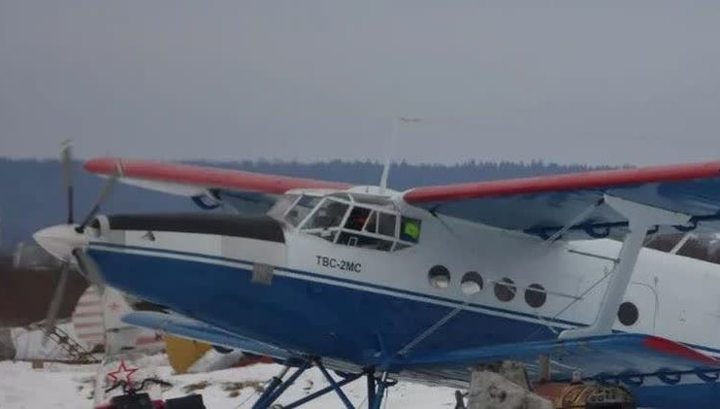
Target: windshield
<point x="300" y="209"/>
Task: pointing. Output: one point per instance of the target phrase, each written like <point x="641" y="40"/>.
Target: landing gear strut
<point x="377" y="386"/>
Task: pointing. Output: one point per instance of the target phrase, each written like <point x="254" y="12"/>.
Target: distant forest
<point x="32" y="195"/>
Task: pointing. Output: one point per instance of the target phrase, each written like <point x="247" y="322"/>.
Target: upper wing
<point x="198" y="181"/>
<point x="624" y="357"/>
<point x="544" y="205"/>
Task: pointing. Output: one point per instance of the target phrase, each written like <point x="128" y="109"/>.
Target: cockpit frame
<point x="343" y="218"/>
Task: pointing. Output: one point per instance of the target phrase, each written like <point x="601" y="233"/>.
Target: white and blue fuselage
<point x="313" y="287"/>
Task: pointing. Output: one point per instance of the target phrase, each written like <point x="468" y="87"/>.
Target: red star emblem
<point x="114" y="307"/>
<point x="122" y="373"/>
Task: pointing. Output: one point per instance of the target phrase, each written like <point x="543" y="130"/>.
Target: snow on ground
<point x="24" y="388"/>
<point x="70" y="386"/>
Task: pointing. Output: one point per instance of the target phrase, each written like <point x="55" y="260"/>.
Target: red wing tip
<point x="101" y="165"/>
<point x="674" y="348"/>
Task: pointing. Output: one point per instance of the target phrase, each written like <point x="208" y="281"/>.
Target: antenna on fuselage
<point x="391" y="148"/>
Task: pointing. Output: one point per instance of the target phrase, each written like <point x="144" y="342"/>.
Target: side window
<point x="535" y="296"/>
<point x="439" y="277"/>
<point x="505" y="290"/>
<point x="410" y="230"/>
<point x="471" y="283"/>
<point x="628" y="313"/>
<point x="386" y="225"/>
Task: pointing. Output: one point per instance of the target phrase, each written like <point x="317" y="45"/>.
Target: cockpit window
<point x="281" y="206"/>
<point x="301" y="209"/>
<point x="329" y="214"/>
<point x="358" y="218"/>
<point x="386" y="225"/>
<point x="354" y="221"/>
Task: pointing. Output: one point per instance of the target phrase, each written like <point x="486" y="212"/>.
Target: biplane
<point x="426" y="283"/>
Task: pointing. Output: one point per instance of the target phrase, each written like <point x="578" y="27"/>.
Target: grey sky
<point x="320" y="80"/>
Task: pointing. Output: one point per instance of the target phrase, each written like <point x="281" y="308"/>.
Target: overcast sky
<point x="628" y="82"/>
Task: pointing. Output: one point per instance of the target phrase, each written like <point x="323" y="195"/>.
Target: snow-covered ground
<point x="71" y="386"/>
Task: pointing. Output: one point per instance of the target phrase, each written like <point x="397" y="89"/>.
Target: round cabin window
<point x="439" y="277"/>
<point x="628" y="313"/>
<point x="471" y="283"/>
<point x="505" y="290"/>
<point x="535" y="295"/>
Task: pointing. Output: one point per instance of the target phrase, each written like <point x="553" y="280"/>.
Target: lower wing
<point x="624" y="357"/>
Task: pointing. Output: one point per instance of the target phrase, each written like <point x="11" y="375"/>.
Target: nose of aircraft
<point x="60" y="240"/>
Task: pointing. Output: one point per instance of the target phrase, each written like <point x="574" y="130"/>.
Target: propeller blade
<point x="56" y="301"/>
<point x="89" y="269"/>
<point x="104" y="194"/>
<point x="66" y="160"/>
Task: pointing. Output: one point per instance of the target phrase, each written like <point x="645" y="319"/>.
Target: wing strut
<point x="641" y="219"/>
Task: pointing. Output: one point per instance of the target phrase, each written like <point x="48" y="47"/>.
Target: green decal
<point x="412" y="229"/>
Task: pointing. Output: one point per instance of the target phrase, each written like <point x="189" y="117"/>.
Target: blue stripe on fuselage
<point x="348" y="323"/>
<point x="364" y="284"/>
